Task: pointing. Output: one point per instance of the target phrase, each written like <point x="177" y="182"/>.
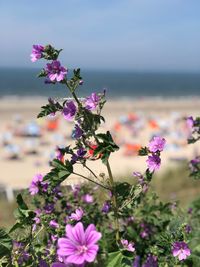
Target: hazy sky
<point x="112" y="34"/>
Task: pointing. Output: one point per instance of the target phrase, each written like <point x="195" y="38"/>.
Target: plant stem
<point x="90" y="171"/>
<point x="114" y="200"/>
<point x="90" y="180"/>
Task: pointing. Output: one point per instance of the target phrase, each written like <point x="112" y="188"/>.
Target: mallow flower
<point x="127" y="245"/>
<point x="79" y="246"/>
<point x="87" y="198"/>
<point x="92" y="101"/>
<point x="36" y="183"/>
<point x="69" y="110"/>
<point x="157" y="144"/>
<point x="77" y="215"/>
<point x="181" y="250"/>
<point x="153" y="162"/>
<point x="36" y="52"/>
<point x="55" y="72"/>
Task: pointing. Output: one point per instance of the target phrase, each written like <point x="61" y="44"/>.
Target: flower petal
<point x="76" y="259"/>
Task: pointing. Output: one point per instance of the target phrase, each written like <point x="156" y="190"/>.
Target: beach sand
<point x="132" y="122"/>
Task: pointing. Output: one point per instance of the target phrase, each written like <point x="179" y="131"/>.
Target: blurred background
<point x="144" y="53"/>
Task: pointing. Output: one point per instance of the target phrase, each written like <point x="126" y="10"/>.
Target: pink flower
<point x="92" y="101"/>
<point x="157" y="144"/>
<point x="88" y="198"/>
<point x="153" y="163"/>
<point x="128" y="246"/>
<point x="77" y="215"/>
<point x="190" y="122"/>
<point x="79" y="246"/>
<point x="181" y="250"/>
<point x="55" y="71"/>
<point x="36" y="52"/>
<point x="54" y="224"/>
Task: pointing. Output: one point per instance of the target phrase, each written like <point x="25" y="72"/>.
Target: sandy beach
<point x="132" y="122"/>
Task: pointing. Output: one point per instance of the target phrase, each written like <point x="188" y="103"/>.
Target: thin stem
<point x="90" y="171"/>
<point x="114" y="200"/>
<point x="90" y="180"/>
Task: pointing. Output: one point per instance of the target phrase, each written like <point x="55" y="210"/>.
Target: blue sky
<point x="104" y="34"/>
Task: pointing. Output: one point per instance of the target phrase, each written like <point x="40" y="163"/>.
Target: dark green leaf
<point x="5" y="243"/>
<point x="114" y="259"/>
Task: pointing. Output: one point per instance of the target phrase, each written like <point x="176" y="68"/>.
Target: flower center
<point x="82" y="249"/>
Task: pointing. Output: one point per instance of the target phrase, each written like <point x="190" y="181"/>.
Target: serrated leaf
<point x="114" y="259"/>
<point x="5" y="243"/>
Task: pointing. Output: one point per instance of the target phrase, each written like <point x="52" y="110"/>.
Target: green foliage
<point x="50" y="108"/>
<point x="143" y="151"/>
<point x="5" y="243"/>
<point x="59" y="172"/>
<point x="106" y="147"/>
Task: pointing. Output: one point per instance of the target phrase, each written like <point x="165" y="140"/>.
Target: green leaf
<point x="5" y="243"/>
<point x="59" y="173"/>
<point x="105" y="147"/>
<point x="23" y="215"/>
<point x="58" y="164"/>
<point x="114" y="259"/>
<point x="49" y="108"/>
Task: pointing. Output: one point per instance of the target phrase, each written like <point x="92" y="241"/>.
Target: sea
<point x="21" y="82"/>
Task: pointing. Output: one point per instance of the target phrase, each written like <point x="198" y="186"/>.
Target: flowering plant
<point x="100" y="223"/>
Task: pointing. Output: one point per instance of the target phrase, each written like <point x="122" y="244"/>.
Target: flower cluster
<point x="156" y="146"/>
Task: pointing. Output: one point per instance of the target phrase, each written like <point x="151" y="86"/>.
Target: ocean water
<point x="23" y="82"/>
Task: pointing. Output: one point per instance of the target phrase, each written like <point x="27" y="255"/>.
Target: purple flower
<point x="54" y="224"/>
<point x="145" y="230"/>
<point x="49" y="208"/>
<point x="153" y="162"/>
<point x="55" y="71"/>
<point x="88" y="198"/>
<point x="77" y="132"/>
<point x="181" y="250"/>
<point x="69" y="111"/>
<point x="128" y="245"/>
<point x="80" y="153"/>
<point x="42" y="263"/>
<point x="58" y="264"/>
<point x="59" y="154"/>
<point x="194" y="164"/>
<point x="188" y="229"/>
<point x="79" y="246"/>
<point x="36" y="219"/>
<point x="106" y="207"/>
<point x="136" y="262"/>
<point x="36" y="182"/>
<point x="19" y="249"/>
<point x="77" y="215"/>
<point x="151" y="261"/>
<point x="92" y="101"/>
<point x="157" y="144"/>
<point x="36" y="52"/>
